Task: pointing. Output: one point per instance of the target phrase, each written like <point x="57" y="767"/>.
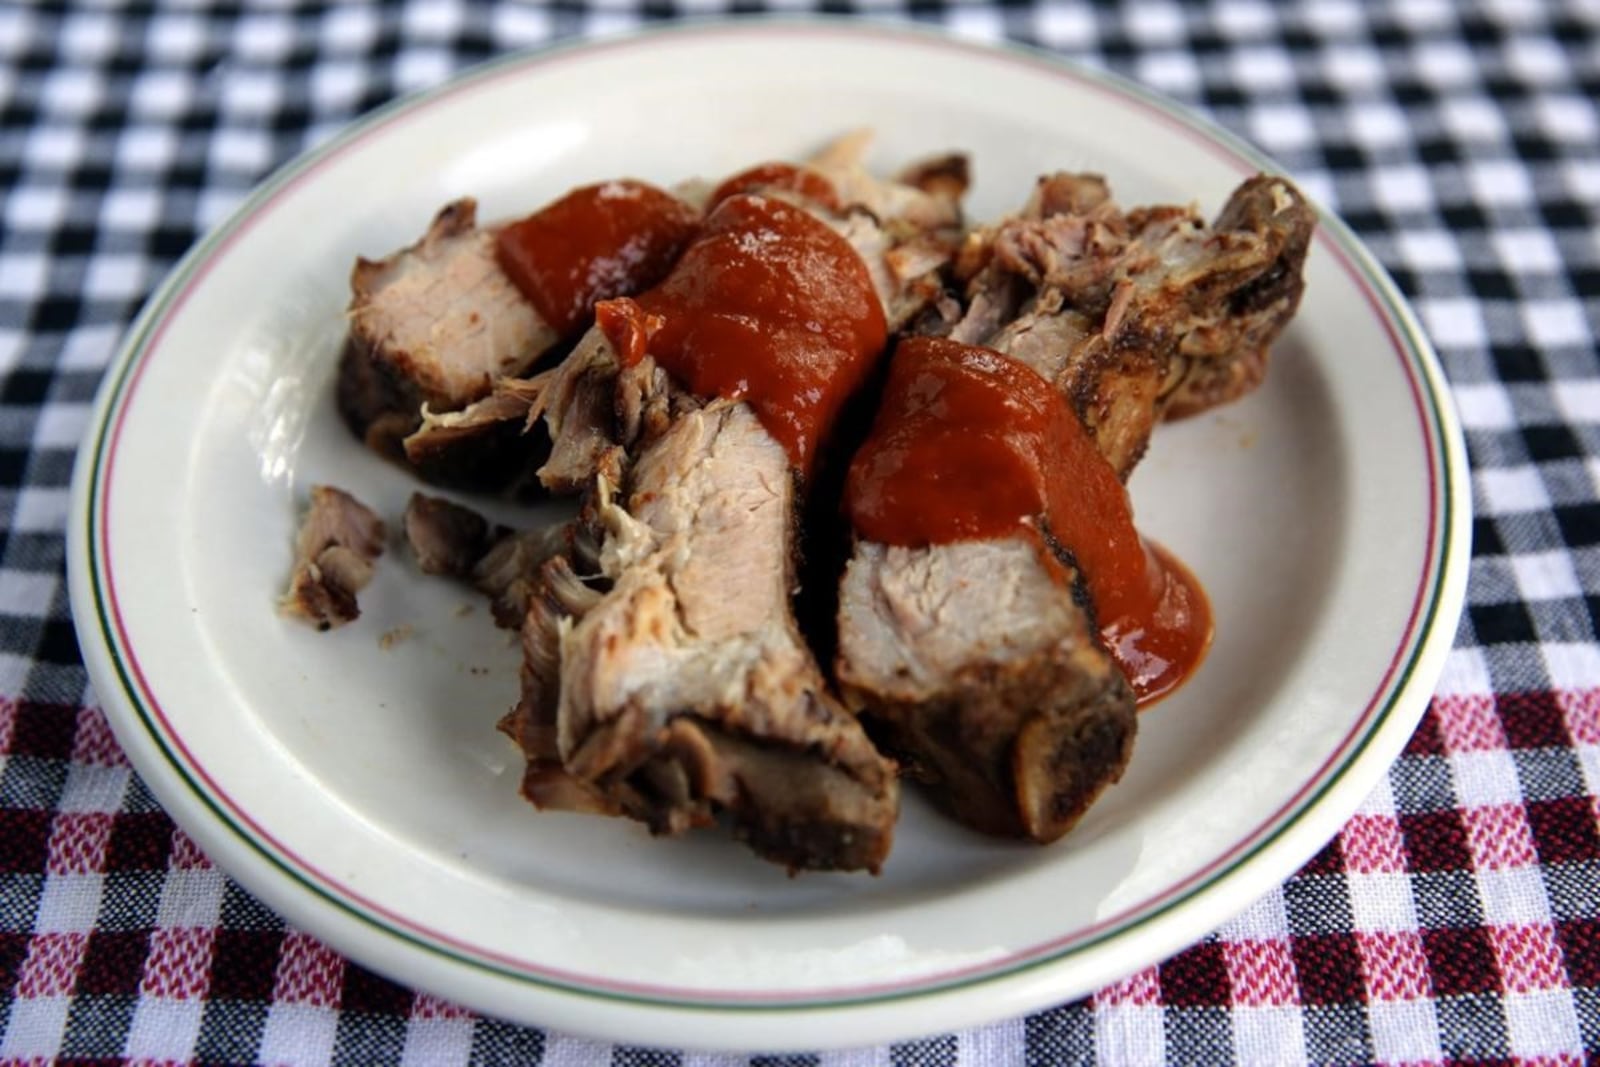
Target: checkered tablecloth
<point x="1456" y="917"/>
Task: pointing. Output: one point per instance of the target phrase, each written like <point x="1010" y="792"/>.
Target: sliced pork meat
<point x="339" y="540"/>
<point x="987" y="679"/>
<point x="685" y="690"/>
<point x="434" y="324"/>
<point x="1135" y="316"/>
<point x="438" y="327"/>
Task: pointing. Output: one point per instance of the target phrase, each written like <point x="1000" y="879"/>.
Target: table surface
<point x="1456" y="917"/>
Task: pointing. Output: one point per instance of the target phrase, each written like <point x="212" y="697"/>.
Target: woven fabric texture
<point x="1455" y="918"/>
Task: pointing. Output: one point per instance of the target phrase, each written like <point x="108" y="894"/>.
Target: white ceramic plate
<point x="362" y="790"/>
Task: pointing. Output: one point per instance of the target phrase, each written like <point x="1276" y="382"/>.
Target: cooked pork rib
<point x="339" y="539"/>
<point x="989" y="677"/>
<point x="679" y="686"/>
<point x="985" y="672"/>
<point x="686" y="688"/>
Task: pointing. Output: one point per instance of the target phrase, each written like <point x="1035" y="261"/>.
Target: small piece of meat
<point x="1220" y="358"/>
<point x="445" y="537"/>
<point x="946" y="177"/>
<point x="577" y="403"/>
<point x="434" y="326"/>
<point x="487" y="445"/>
<point x="924" y="198"/>
<point x="504" y="565"/>
<point x="509" y="573"/>
<point x="339" y="540"/>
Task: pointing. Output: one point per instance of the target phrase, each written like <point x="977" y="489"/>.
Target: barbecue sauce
<point x="786" y="176"/>
<point x="595" y="243"/>
<point x="767" y="305"/>
<point x="969" y="444"/>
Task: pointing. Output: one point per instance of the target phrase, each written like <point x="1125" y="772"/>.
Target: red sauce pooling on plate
<point x="767" y="305"/>
<point x="969" y="444"/>
<point x="802" y="180"/>
<point x="595" y="243"/>
<point x="1158" y="634"/>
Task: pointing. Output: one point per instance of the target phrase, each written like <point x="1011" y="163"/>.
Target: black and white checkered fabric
<point x="1462" y="142"/>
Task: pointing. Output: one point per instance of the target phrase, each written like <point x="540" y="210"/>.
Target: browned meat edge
<point x="338" y="541"/>
<point x="433" y="327"/>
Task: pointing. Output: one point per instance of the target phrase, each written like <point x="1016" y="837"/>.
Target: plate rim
<point x="1295" y="829"/>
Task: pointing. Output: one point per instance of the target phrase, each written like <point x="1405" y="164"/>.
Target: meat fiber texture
<point x="686" y="689"/>
<point x="434" y="329"/>
<point x="340" y="539"/>
<point x="988" y="677"/>
<point x="677" y="688"/>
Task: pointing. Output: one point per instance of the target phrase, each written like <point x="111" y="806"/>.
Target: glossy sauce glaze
<point x="971" y="445"/>
<point x="595" y="243"/>
<point x="768" y="305"/>
<point x="786" y="176"/>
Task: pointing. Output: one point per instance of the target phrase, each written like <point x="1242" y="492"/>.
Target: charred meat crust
<point x="379" y="407"/>
<point x="1017" y="748"/>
